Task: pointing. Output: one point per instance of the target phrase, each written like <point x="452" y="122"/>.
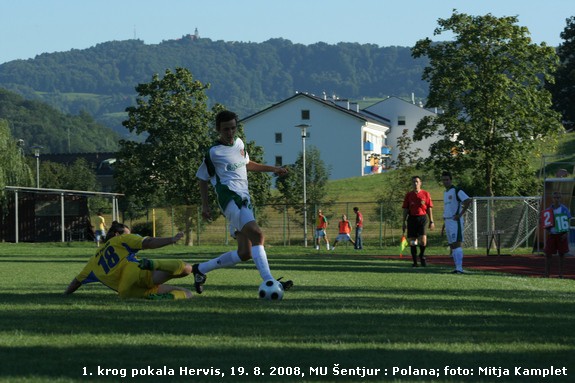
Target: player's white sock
<point x="261" y="260"/>
<point x="229" y="259"/>
<point x="458" y="258"/>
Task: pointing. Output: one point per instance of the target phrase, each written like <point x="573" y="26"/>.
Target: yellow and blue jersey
<point x="110" y="261"/>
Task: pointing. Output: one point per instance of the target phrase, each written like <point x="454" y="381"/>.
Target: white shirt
<point x="451" y="206"/>
<point x="226" y="165"/>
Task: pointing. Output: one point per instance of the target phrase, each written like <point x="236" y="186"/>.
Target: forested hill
<point x="244" y="76"/>
<point x="36" y="123"/>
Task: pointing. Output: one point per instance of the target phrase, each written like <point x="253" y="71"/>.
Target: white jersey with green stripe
<point x="452" y="199"/>
<point x="225" y="166"/>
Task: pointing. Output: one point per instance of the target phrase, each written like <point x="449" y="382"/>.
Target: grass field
<point x="356" y="313"/>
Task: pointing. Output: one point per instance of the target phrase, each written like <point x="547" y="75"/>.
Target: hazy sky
<point x="32" y="27"/>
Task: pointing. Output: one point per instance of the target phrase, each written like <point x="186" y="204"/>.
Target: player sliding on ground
<point x="115" y="265"/>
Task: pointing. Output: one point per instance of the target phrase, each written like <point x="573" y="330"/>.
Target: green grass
<point x="348" y="310"/>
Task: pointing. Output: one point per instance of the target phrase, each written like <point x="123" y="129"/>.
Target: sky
<point x="32" y="27"/>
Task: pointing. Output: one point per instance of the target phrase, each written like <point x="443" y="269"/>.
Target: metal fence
<point x="281" y="224"/>
<point x="514" y="217"/>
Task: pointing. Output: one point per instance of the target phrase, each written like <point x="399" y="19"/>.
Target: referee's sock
<point x="413" y="254"/>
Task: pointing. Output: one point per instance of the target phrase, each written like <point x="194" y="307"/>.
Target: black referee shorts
<point x="416" y="226"/>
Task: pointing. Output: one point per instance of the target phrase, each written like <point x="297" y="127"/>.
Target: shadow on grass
<point x="74" y="362"/>
<point x="318" y="324"/>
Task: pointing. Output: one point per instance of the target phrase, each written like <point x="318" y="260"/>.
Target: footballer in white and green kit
<point x="455" y="204"/>
<point x="225" y="166"/>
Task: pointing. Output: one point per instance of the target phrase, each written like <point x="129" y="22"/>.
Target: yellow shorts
<point x="136" y="283"/>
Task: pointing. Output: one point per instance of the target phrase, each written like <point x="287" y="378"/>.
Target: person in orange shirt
<point x="320" y="230"/>
<point x="344" y="230"/>
<point x="417" y="206"/>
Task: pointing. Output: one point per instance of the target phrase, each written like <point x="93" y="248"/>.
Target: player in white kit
<point x="455" y="204"/>
<point x="226" y="165"/>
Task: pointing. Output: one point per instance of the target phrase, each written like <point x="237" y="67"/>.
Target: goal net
<point x="514" y="218"/>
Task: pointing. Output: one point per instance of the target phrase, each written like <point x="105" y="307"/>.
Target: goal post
<point x="513" y="219"/>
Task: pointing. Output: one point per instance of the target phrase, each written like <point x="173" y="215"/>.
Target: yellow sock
<point x="179" y="294"/>
<point x="174" y="266"/>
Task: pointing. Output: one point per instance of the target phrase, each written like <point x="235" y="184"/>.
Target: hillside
<point x="365" y="189"/>
<point x="245" y="77"/>
<point x="36" y="123"/>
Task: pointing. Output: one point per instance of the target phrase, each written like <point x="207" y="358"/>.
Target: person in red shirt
<point x="344" y="230"/>
<point x="556" y="220"/>
<point x="417" y="206"/>
<point x="358" y="229"/>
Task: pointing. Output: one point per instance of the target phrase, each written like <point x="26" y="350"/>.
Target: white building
<point x="350" y="142"/>
<point x="402" y="115"/>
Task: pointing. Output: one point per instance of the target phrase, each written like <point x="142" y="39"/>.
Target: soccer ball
<point x="271" y="290"/>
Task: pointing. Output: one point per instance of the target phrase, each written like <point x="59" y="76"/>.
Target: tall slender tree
<point x="490" y="83"/>
<point x="564" y="88"/>
<point x="290" y="187"/>
<point x="14" y="170"/>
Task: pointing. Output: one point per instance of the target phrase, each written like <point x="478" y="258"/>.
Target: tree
<point x="407" y="158"/>
<point x="398" y="182"/>
<point x="490" y="83"/>
<point x="564" y="88"/>
<point x="14" y="170"/>
<point x="78" y="176"/>
<point x="172" y="111"/>
<point x="290" y="187"/>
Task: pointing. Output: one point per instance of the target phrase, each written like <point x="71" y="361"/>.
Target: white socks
<point x="228" y="259"/>
<point x="458" y="258"/>
<point x="231" y="258"/>
<point x="261" y="260"/>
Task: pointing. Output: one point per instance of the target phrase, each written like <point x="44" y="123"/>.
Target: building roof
<point x="392" y="98"/>
<point x="367" y="117"/>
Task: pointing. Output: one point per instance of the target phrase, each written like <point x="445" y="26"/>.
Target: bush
<point x="145" y="229"/>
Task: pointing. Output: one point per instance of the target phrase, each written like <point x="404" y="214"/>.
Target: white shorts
<point x="238" y="218"/>
<point x="343" y="237"/>
<point x="454" y="230"/>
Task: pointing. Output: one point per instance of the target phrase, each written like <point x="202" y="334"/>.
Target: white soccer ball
<point x="271" y="290"/>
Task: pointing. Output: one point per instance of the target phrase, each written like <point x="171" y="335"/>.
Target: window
<point x="279" y="161"/>
<point x="279" y="138"/>
<point x="400" y="120"/>
<point x="305" y="114"/>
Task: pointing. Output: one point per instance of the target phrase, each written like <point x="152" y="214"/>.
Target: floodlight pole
<point x="37" y="155"/>
<point x="303" y="128"/>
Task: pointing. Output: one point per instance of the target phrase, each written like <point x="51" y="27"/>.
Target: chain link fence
<point x="515" y="218"/>
<point x="281" y="224"/>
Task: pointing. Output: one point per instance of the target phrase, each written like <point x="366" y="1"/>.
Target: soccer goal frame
<point x="513" y="219"/>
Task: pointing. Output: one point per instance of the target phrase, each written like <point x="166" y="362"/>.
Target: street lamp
<point x="303" y="128"/>
<point x="37" y="155"/>
<point x="20" y="143"/>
